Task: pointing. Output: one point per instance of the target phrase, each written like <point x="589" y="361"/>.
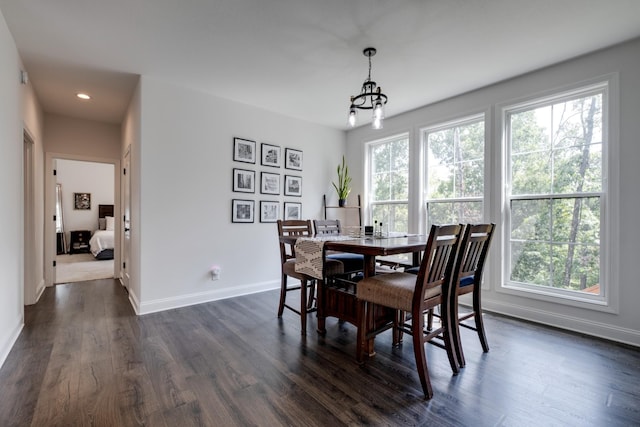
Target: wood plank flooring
<point x="85" y="359"/>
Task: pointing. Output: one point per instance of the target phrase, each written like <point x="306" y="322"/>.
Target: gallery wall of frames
<point x="277" y="176"/>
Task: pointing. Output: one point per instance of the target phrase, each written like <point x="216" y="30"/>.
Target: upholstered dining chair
<point x="353" y="263"/>
<point x="472" y="258"/>
<point x="294" y="229"/>
<point x="412" y="296"/>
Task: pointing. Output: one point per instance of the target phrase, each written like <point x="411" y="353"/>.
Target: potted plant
<point x="343" y="188"/>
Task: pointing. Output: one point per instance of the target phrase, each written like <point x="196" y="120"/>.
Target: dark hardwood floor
<point x="85" y="359"/>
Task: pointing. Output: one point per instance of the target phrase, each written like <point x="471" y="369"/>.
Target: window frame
<point x="423" y="132"/>
<point x="609" y="195"/>
<point x="369" y="202"/>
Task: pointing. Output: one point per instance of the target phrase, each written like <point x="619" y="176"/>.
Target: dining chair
<point x="472" y="258"/>
<point x="307" y="287"/>
<point x="353" y="263"/>
<point x="412" y="296"/>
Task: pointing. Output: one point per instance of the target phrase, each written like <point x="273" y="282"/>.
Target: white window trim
<point x="610" y="231"/>
<point x="368" y="203"/>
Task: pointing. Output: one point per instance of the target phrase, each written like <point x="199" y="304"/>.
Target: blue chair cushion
<point x="466" y="281"/>
<point x="351" y="262"/>
<point x="412" y="270"/>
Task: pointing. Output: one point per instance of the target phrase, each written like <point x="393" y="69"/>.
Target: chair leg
<point x="283" y="294"/>
<point x="455" y="334"/>
<point x="399" y="319"/>
<point x="430" y="320"/>
<point x="312" y="294"/>
<point x="303" y="306"/>
<point x="362" y="330"/>
<point x="449" y="324"/>
<point x="417" y="326"/>
<point x="477" y="314"/>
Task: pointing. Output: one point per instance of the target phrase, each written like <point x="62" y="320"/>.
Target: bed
<point x="102" y="241"/>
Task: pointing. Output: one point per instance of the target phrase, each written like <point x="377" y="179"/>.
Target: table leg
<point x="369" y="270"/>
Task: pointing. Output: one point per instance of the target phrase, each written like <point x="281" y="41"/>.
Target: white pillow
<point x="110" y="223"/>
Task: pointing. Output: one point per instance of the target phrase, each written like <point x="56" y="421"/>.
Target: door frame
<point x="50" y="210"/>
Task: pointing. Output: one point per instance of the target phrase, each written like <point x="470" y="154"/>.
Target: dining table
<point x="337" y="298"/>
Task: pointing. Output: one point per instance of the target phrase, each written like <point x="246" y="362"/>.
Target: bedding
<point x="102" y="240"/>
<point x="101" y="243"/>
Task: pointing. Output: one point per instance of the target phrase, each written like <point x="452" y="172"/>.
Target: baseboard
<point x="134" y="301"/>
<point x="575" y="324"/>
<point x="40" y="290"/>
<point x="6" y="347"/>
<point x="202" y="297"/>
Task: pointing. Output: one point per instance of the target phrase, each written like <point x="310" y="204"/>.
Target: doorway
<point x="87" y="186"/>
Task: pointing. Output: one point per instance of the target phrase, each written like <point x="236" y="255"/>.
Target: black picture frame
<point x="293" y="185"/>
<point x="244" y="181"/>
<point x="82" y="201"/>
<point x="293" y="159"/>
<point x="292" y="210"/>
<point x="271" y="155"/>
<point x="244" y="150"/>
<point x="242" y="211"/>
<point x="269" y="211"/>
<point x="269" y="183"/>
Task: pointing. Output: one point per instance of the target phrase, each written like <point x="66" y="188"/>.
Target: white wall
<point x="84" y="177"/>
<point x="11" y="245"/>
<point x="624" y="323"/>
<point x="185" y="192"/>
<point x="19" y="109"/>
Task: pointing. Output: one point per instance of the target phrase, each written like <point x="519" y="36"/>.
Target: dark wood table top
<point x="379" y="246"/>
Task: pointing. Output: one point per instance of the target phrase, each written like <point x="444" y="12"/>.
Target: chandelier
<point x="370" y="98"/>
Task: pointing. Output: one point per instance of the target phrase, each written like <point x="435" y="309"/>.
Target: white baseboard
<point x="5" y="347"/>
<point x="575" y="324"/>
<point x="40" y="290"/>
<point x="202" y="297"/>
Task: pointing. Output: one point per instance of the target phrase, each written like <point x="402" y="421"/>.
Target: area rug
<point x="82" y="267"/>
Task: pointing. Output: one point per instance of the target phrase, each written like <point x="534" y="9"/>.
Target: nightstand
<point x="79" y="242"/>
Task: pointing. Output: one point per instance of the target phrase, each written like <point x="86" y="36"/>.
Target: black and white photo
<point x="242" y="210"/>
<point x="269" y="211"/>
<point x="292" y="210"/>
<point x="244" y="181"/>
<point x="292" y="185"/>
<point x="270" y="155"/>
<point x="293" y="159"/>
<point x="244" y="150"/>
<point x="269" y="183"/>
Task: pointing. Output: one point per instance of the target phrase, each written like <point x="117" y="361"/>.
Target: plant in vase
<point x="343" y="187"/>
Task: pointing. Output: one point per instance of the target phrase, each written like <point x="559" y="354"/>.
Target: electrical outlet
<point x="215" y="272"/>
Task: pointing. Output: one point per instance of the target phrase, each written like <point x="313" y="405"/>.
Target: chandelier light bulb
<point x="352" y="117"/>
<point x="377" y="123"/>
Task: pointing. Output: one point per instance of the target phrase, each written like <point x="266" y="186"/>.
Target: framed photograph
<point x="271" y="155"/>
<point x="292" y="210"/>
<point x="244" y="150"/>
<point x="244" y="181"/>
<point x="292" y="185"/>
<point x="269" y="183"/>
<point x="269" y="211"/>
<point x="82" y="201"/>
<point x="293" y="159"/>
<point x="242" y="210"/>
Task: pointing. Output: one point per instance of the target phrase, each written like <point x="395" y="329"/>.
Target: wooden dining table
<point x="337" y="298"/>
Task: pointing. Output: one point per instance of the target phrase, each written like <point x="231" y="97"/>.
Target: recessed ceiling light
<point x="83" y="96"/>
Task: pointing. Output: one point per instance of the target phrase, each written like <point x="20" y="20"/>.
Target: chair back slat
<point x="327" y="226"/>
<point x="438" y="261"/>
<point x="474" y="253"/>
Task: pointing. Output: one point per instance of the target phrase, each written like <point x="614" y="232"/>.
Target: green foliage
<point x="343" y="188"/>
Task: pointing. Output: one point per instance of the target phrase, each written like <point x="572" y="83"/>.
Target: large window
<point x="454" y="171"/>
<point x="555" y="194"/>
<point x="389" y="183"/>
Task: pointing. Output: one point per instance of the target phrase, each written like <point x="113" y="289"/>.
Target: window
<point x="454" y="171"/>
<point x="555" y="194"/>
<point x="389" y="183"/>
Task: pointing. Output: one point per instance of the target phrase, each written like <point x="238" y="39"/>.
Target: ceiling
<point x="300" y="58"/>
